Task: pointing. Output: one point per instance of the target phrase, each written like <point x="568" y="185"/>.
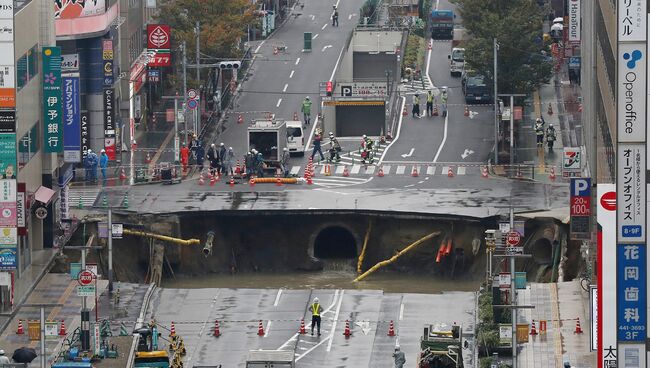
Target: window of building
<point x="27" y="67"/>
<point x="28" y="145"/>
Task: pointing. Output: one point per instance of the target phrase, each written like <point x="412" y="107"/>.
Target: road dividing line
<point x="444" y="139"/>
<point x="258" y="46"/>
<point x="315" y="36"/>
<point x="267" y="329"/>
<point x="350" y="17"/>
<point x="285" y="87"/>
<point x="277" y="297"/>
<point x="399" y="128"/>
<point x="336" y="318"/>
<point x="279" y="102"/>
<point x="337" y="64"/>
<point x="291" y="75"/>
<point x="205" y="323"/>
<point x="326" y="47"/>
<point x="297" y="61"/>
<point x="324" y="25"/>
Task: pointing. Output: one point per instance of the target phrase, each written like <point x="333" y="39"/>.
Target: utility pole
<point x="495" y="47"/>
<point x="513" y="296"/>
<point x="110" y="251"/>
<point x="176" y="140"/>
<point x="197" y="30"/>
<point x="184" y="92"/>
<point x="512" y="126"/>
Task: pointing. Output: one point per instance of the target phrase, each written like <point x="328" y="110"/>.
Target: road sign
<point x="117" y="231"/>
<point x="505" y="280"/>
<point x="580" y="208"/>
<point x="513" y="238"/>
<point x="85" y="277"/>
<point x="191" y="94"/>
<point x="86" y="290"/>
<point x="192" y="104"/>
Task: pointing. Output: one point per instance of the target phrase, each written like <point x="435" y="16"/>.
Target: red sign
<point x="513" y="238"/>
<point x="608" y="201"/>
<point x="85" y="277"/>
<point x="580" y="206"/>
<point x="158" y="36"/>
<point x="160" y="59"/>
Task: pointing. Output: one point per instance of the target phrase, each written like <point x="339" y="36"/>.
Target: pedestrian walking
<point x="416" y="106"/>
<point x="185" y="156"/>
<point x="306" y="109"/>
<point x="221" y="157"/>
<point x="103" y="164"/>
<point x="284" y="162"/>
<point x="228" y="159"/>
<point x="200" y="155"/>
<point x="399" y="357"/>
<point x="430" y="103"/>
<point x="3" y="358"/>
<point x="316" y="309"/>
<point x="335" y="17"/>
<point x="317" y="147"/>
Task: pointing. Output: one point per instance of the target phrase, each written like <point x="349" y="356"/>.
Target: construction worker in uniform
<point x="443" y="102"/>
<point x="399" y="357"/>
<point x="284" y="162"/>
<point x="316" y="310"/>
<point x="539" y="132"/>
<point x="3" y="358"/>
<point x="306" y="109"/>
<point x="416" y="106"/>
<point x="335" y="17"/>
<point x="550" y="137"/>
<point x="430" y="103"/>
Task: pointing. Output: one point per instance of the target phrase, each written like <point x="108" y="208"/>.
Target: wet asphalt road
<point x="194" y="312"/>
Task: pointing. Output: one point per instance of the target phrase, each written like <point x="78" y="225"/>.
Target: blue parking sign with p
<point x="580" y="187"/>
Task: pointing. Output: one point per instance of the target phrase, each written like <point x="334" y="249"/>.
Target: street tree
<point x="223" y="24"/>
<point x="517" y="25"/>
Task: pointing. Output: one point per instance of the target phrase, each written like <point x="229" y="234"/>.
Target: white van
<point x="456" y="61"/>
<point x="295" y="138"/>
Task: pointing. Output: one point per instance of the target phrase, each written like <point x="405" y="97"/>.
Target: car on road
<point x="456" y="61"/>
<point x="295" y="138"/>
<point x="475" y="87"/>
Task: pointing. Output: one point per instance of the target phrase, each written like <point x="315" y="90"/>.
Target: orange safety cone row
<point x="391" y="329"/>
<point x="533" y="331"/>
<point x="347" y="333"/>
<point x="216" y="333"/>
<point x="260" y="329"/>
<point x="302" y="330"/>
<point x="484" y="172"/>
<point x="346" y="172"/>
<point x="21" y="329"/>
<point x="240" y="119"/>
<point x="578" y="329"/>
<point x="172" y="330"/>
<point x="122" y="175"/>
<point x="62" y="329"/>
<point x="450" y="172"/>
<point x="552" y="174"/>
<point x="466" y="113"/>
<point x="381" y="172"/>
<point x="550" y="109"/>
<point x="414" y="172"/>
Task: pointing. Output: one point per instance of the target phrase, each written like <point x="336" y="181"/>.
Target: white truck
<point x="270" y="359"/>
<point x="456" y="61"/>
<point x="268" y="137"/>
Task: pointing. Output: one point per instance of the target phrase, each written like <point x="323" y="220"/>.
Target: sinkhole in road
<point x="542" y="251"/>
<point x="335" y="242"/>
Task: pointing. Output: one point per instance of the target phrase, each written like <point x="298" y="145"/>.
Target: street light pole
<point x="512" y="126"/>
<point x="110" y="251"/>
<point x="184" y="93"/>
<point x="513" y="296"/>
<point x="495" y="47"/>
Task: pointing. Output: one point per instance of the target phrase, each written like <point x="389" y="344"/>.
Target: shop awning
<point x="44" y="195"/>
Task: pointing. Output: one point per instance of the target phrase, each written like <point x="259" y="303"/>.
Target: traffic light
<point x="229" y="64"/>
<point x="328" y="88"/>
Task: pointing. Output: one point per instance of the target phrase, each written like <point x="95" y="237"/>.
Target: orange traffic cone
<point x="552" y="174"/>
<point x="240" y="119"/>
<point x="391" y="329"/>
<point x="347" y="333"/>
<point x="533" y="331"/>
<point x="450" y="172"/>
<point x="275" y="51"/>
<point x="238" y="168"/>
<point x="278" y="181"/>
<point x="430" y="45"/>
<point x="122" y="175"/>
<point x="232" y="182"/>
<point x="20" y="330"/>
<point x="381" y="172"/>
<point x="346" y="173"/>
<point x="389" y="136"/>
<point x="328" y="170"/>
<point x="63" y="333"/>
<point x="404" y="112"/>
<point x="201" y="180"/>
<point x="466" y="113"/>
<point x="148" y="158"/>
<point x="484" y="172"/>
<point x="295" y="116"/>
<point x="550" y="109"/>
<point x="260" y="329"/>
<point x="578" y="329"/>
<point x="251" y="182"/>
<point x="580" y="108"/>
<point x="213" y="180"/>
<point x="309" y="181"/>
<point x="216" y="333"/>
<point x="435" y="110"/>
<point x="172" y="330"/>
<point x="414" y="172"/>
<point x="302" y="327"/>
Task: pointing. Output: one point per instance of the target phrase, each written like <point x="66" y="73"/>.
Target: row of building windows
<point x="28" y="145"/>
<point x="26" y="67"/>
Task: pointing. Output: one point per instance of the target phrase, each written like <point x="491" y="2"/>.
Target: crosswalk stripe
<point x="355" y="169"/>
<point x="400" y="170"/>
<point x="461" y="170"/>
<point x="445" y="170"/>
<point x="295" y="170"/>
<point x="431" y="170"/>
<point x="386" y="169"/>
<point x="370" y="170"/>
<point x="340" y="169"/>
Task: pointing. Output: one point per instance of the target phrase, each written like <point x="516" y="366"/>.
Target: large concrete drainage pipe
<point x="335" y="242"/>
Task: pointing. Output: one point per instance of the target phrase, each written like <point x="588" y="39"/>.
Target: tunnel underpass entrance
<point x="335" y="242"/>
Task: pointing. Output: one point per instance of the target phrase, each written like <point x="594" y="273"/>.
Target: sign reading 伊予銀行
<point x="52" y="114"/>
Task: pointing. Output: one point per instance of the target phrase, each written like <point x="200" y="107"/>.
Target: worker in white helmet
<point x="316" y="310"/>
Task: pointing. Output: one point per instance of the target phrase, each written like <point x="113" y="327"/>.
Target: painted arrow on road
<point x="405" y="155"/>
<point x="326" y="47"/>
<point x="466" y="153"/>
<point x="365" y="326"/>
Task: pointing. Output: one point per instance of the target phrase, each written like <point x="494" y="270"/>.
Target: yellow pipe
<point x="363" y="250"/>
<point x="394" y="258"/>
<point x="162" y="237"/>
<point x="274" y="180"/>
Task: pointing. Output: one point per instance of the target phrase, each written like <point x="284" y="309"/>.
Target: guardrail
<point x="139" y="323"/>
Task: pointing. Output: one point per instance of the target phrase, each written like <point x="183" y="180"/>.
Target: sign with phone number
<point x="631" y="292"/>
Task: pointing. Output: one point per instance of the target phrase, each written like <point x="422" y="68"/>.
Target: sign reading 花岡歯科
<point x="52" y="114"/>
<point x="631" y="286"/>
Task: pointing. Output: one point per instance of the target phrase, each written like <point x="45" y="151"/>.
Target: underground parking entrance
<point x="335" y="242"/>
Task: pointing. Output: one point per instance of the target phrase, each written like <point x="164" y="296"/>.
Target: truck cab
<point x="442" y="24"/>
<point x="456" y="61"/>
